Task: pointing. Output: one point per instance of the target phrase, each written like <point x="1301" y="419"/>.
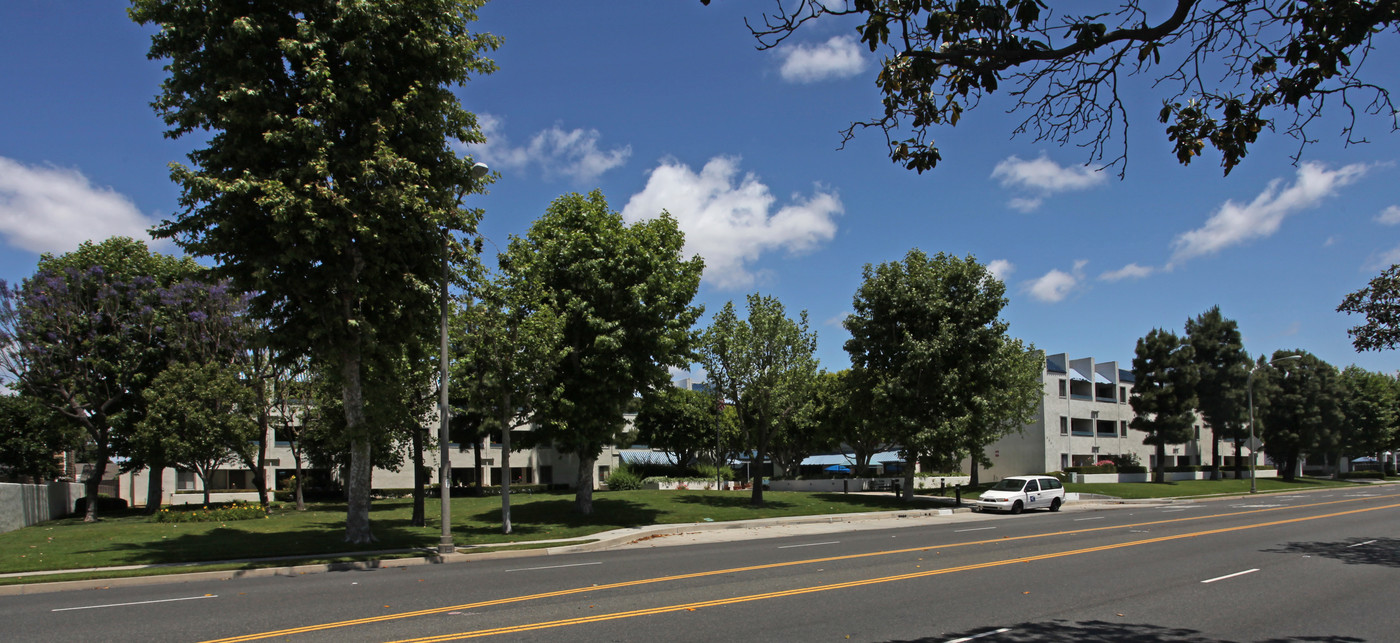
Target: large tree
<point x="323" y="180"/>
<point x="1222" y="366"/>
<point x="923" y="330"/>
<point x="83" y="335"/>
<point x="622" y="294"/>
<point x="680" y="422"/>
<point x="1379" y="302"/>
<point x="1164" y="393"/>
<point x="1371" y="402"/>
<point x="764" y="367"/>
<point x="1302" y="410"/>
<point x="1225" y="70"/>
<point x="508" y="358"/>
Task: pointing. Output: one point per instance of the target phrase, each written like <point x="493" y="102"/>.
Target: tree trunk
<point x="357" y="527"/>
<point x="155" y="488"/>
<point x="1159" y="475"/>
<point x="94" y="482"/>
<point x="480" y="468"/>
<point x="418" y="478"/>
<point x="297" y="483"/>
<point x="1239" y="459"/>
<point x="583" y="494"/>
<point x="1214" y="454"/>
<point x="907" y="493"/>
<point x="972" y="473"/>
<point x="505" y="467"/>
<point x="760" y="454"/>
<point x="204" y="482"/>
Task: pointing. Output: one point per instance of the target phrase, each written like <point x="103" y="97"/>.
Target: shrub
<point x="1132" y="468"/>
<point x="707" y="471"/>
<point x="209" y="513"/>
<point x="1190" y="467"/>
<point x="515" y="488"/>
<point x="105" y="504"/>
<point x="624" y="479"/>
<point x="1093" y="468"/>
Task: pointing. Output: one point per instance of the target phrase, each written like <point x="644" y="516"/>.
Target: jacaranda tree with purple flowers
<point x="82" y="336"/>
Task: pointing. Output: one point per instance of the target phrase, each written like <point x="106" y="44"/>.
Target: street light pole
<point x="445" y="544"/>
<point x="1249" y="386"/>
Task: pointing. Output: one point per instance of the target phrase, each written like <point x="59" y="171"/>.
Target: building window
<point x="1122" y="395"/>
<point x="1064" y="461"/>
<point x="1063" y="391"/>
<point x="1198" y="431"/>
<point x="1064" y="425"/>
<point x="1123" y="428"/>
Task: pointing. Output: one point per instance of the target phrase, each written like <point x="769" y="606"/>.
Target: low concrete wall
<point x="863" y="484"/>
<point x="1171" y="476"/>
<point x="198" y="498"/>
<point x="696" y="484"/>
<point x="22" y="505"/>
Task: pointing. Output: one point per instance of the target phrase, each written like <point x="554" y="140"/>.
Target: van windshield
<point x="1009" y="484"/>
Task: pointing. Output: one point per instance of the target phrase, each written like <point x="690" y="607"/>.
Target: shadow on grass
<point x="1058" y="631"/>
<point x="883" y="503"/>
<point x="543" y="517"/>
<point x="229" y="542"/>
<point x="1356" y="551"/>
<point x="730" y="501"/>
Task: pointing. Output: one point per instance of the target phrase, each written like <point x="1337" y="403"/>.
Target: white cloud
<point x="1383" y="260"/>
<point x="728" y="222"/>
<point x="1001" y="268"/>
<point x="1054" y="286"/>
<point x="572" y="153"/>
<point x="51" y="209"/>
<point x="1390" y="215"/>
<point x="1025" y="204"/>
<point x="1236" y="223"/>
<point x="1130" y="271"/>
<point x="839" y="57"/>
<point x="838" y="320"/>
<point x="1045" y="175"/>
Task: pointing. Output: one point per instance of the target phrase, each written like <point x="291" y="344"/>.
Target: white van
<point x="1018" y="493"/>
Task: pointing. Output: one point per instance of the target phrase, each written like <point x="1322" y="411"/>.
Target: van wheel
<point x="1055" y="505"/>
<point x="1016" y="508"/>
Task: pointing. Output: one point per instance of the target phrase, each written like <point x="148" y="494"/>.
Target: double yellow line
<point x="799" y="591"/>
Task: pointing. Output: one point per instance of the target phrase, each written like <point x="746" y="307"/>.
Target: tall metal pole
<point x="1253" y="486"/>
<point x="445" y="544"/>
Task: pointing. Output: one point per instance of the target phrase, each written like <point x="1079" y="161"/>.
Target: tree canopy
<point x="622" y="296"/>
<point x="1379" y="302"/>
<point x="1222" y="369"/>
<point x="1226" y="71"/>
<point x="1164" y="392"/>
<point x="1302" y="409"/>
<point x="924" y="329"/>
<point x="325" y="181"/>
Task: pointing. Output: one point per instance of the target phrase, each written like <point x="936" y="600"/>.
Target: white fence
<point x="865" y="484"/>
<point x="22" y="505"/>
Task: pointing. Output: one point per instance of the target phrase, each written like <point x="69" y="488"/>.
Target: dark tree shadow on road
<point x="1356" y="551"/>
<point x="1058" y="631"/>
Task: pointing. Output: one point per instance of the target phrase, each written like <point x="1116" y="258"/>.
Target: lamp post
<point x="445" y="544"/>
<point x="1253" y="444"/>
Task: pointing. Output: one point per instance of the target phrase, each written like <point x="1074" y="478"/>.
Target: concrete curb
<point x="604" y="541"/>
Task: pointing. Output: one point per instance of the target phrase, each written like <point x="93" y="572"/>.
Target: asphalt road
<point x="1319" y="566"/>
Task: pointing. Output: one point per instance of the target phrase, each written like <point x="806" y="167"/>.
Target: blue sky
<point x="668" y="105"/>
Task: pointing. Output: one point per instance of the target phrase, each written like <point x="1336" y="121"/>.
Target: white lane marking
<point x="829" y="542"/>
<point x="1247" y="571"/>
<point x="1171" y="511"/>
<point x="958" y="531"/>
<point x="164" y="600"/>
<point x="965" y="639"/>
<point x="530" y="569"/>
<point x="1094" y="518"/>
<point x="1254" y="506"/>
<point x="1360" y="544"/>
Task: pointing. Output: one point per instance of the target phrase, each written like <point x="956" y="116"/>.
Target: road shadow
<point x="1059" y="631"/>
<point x="1355" y="551"/>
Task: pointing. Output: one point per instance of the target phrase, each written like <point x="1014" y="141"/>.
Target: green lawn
<point x="131" y="539"/>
